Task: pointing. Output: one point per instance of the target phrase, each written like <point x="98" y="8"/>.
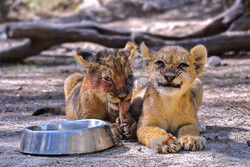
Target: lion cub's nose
<point x="169" y="76"/>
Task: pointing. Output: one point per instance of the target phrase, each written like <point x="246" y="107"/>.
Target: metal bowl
<point x="67" y="137"/>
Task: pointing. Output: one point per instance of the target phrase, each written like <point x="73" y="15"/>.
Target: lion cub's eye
<point x="183" y="65"/>
<point x="108" y="79"/>
<point x="160" y="63"/>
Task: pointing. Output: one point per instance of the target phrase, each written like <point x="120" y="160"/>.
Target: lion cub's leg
<point x="189" y="137"/>
<point x="71" y="82"/>
<point x="189" y="134"/>
<point x="197" y="91"/>
<point x="152" y="135"/>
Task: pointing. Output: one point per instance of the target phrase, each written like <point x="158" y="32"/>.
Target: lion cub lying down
<point x="172" y="99"/>
<point x="104" y="90"/>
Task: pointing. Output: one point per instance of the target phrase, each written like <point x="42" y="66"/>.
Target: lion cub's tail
<point x="49" y="110"/>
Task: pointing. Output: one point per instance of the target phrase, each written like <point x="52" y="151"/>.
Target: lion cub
<point x="103" y="90"/>
<point x="172" y="99"/>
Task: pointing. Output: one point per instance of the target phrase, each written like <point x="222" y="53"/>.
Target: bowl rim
<point x="63" y="131"/>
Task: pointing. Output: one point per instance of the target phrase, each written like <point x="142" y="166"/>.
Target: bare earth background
<point x="39" y="83"/>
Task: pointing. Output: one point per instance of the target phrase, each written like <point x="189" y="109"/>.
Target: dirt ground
<point x="39" y="83"/>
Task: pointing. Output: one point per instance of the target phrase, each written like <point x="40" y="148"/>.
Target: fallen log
<point x="220" y="23"/>
<point x="52" y="34"/>
<point x="216" y="44"/>
<point x="26" y="49"/>
<point x="236" y="18"/>
<point x="42" y="36"/>
<point x="216" y="36"/>
<point x="45" y="35"/>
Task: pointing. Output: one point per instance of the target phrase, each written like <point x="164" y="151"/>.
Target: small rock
<point x="213" y="61"/>
<point x="86" y="4"/>
<point x="150" y="6"/>
<point x="248" y="143"/>
<point x="139" y="149"/>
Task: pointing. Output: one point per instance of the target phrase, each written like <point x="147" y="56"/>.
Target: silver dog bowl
<point x="67" y="137"/>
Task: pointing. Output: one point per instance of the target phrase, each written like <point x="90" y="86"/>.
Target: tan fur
<point x="71" y="82"/>
<point x="84" y="99"/>
<point x="170" y="110"/>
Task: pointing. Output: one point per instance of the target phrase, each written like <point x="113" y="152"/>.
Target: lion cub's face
<point x="174" y="68"/>
<point x="110" y="71"/>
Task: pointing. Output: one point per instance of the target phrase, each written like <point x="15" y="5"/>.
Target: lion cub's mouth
<point x="169" y="85"/>
<point x="122" y="107"/>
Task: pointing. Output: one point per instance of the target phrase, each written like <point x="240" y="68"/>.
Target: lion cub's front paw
<point x="116" y="131"/>
<point x="128" y="127"/>
<point x="130" y="130"/>
<point x="167" y="144"/>
<point x="192" y="143"/>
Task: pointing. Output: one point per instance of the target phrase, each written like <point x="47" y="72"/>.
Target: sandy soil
<point x="39" y="83"/>
<point x="27" y="87"/>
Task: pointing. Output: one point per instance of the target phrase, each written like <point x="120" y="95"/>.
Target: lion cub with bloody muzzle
<point x="104" y="91"/>
<point x="172" y="99"/>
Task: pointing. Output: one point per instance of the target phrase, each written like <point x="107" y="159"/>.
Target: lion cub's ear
<point x="198" y="57"/>
<point x="145" y="52"/>
<point x="86" y="59"/>
<point x="131" y="49"/>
